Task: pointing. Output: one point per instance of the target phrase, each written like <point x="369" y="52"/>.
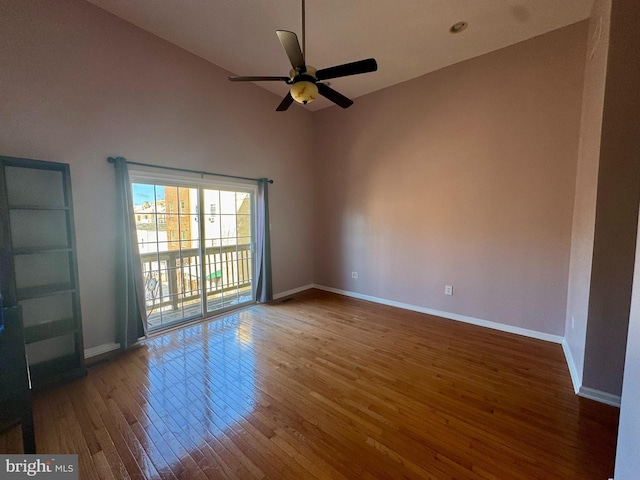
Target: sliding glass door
<point x="195" y="240"/>
<point x="227" y="241"/>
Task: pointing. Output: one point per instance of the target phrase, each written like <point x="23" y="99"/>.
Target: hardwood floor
<point x="324" y="386"/>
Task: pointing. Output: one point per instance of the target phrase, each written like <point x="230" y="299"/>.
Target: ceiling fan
<point x="305" y="80"/>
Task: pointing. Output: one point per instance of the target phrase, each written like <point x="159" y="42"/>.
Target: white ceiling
<point x="408" y="38"/>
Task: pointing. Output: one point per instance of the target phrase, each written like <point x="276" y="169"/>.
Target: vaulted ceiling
<point x="408" y="38"/>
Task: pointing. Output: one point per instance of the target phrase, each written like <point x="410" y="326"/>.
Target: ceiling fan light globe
<point x="304" y="92"/>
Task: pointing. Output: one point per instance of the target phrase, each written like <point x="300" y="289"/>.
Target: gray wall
<point x="462" y="177"/>
<point x="627" y="457"/>
<point x="584" y="210"/>
<point x="607" y="196"/>
<point x="617" y="207"/>
<point x="623" y="124"/>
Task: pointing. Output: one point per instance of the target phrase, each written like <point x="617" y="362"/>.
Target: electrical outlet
<point x="354" y="274"/>
<point x="448" y="289"/>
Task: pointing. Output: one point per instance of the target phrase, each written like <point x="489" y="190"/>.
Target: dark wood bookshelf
<point x="46" y="242"/>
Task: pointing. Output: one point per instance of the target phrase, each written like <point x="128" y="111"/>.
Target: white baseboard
<point x="573" y="371"/>
<point x="276" y="296"/>
<point x="451" y="316"/>
<point x="100" y="349"/>
<point x="600" y="396"/>
<point x="587" y="392"/>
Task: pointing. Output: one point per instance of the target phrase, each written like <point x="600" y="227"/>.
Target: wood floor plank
<point x="328" y="387"/>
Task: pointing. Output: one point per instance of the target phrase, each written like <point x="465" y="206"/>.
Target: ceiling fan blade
<point x="354" y="68"/>
<point x="258" y="79"/>
<point x="334" y="96"/>
<point x="286" y="103"/>
<point x="289" y="41"/>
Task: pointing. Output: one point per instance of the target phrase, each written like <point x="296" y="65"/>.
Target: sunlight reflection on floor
<point x="203" y="376"/>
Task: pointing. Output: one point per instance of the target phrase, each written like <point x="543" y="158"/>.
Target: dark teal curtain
<point x="264" y="286"/>
<point x="131" y="316"/>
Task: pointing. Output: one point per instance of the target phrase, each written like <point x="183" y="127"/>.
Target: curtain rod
<point x="176" y="169"/>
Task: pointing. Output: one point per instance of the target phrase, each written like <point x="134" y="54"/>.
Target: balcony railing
<point x="173" y="281"/>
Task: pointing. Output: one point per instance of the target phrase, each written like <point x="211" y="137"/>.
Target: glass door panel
<point x="169" y="245"/>
<point x="228" y="239"/>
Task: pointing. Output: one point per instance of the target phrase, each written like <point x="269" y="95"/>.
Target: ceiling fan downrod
<point x="304" y="35"/>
